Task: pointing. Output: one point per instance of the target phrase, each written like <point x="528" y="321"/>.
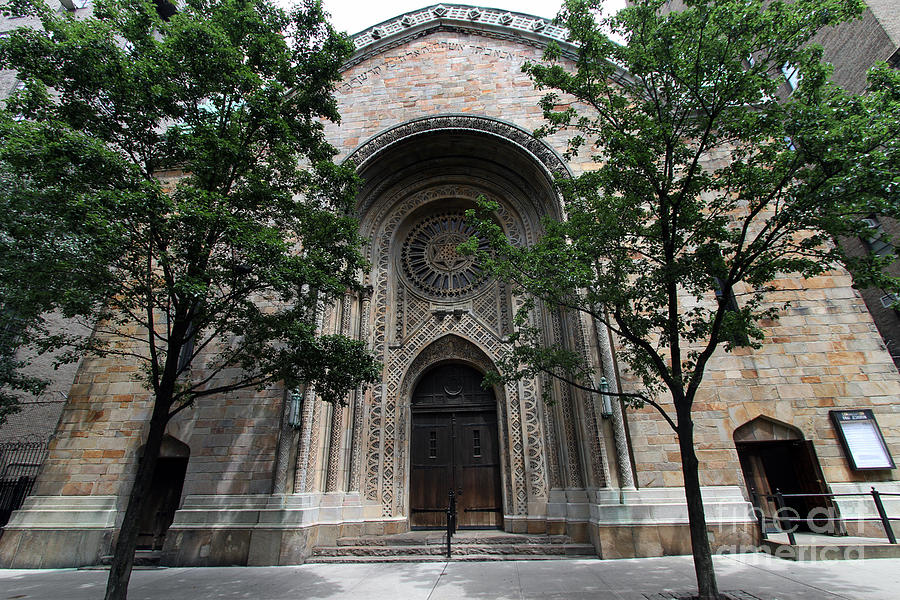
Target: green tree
<point x="54" y="249"/>
<point x="709" y="181"/>
<point x="163" y="155"/>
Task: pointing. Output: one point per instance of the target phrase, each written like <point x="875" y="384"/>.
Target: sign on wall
<point x="861" y="439"/>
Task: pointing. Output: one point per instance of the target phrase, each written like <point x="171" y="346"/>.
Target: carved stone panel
<point x="423" y="291"/>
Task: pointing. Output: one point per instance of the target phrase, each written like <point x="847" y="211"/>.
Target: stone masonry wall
<point x="438" y="74"/>
<point x="101" y="428"/>
<point x="232" y="437"/>
<point x="823" y="353"/>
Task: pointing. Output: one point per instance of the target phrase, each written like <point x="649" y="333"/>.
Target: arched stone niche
<point x="425" y="168"/>
<point x="449" y="348"/>
<point x="482" y="151"/>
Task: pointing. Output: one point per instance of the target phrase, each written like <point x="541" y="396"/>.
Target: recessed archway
<point x="165" y="493"/>
<point x="414" y="175"/>
<point x="774" y="458"/>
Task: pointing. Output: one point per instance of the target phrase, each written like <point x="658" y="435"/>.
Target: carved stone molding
<point x="521" y="138"/>
<point x="448" y="348"/>
<point x="500" y="24"/>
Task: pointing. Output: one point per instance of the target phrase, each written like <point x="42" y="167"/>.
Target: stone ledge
<point x="65" y="512"/>
<point x="270" y="512"/>
<point x="658" y="506"/>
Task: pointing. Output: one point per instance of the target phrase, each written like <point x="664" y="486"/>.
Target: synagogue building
<point x="436" y="113"/>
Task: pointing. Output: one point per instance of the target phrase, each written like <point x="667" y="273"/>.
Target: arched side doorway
<point x="165" y="494"/>
<point x="454" y="447"/>
<point x="774" y="456"/>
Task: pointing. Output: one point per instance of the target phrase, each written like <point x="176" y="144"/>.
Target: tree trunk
<point x="123" y="556"/>
<point x="703" y="564"/>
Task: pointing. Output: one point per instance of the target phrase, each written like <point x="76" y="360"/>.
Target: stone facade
<point x="435" y="113"/>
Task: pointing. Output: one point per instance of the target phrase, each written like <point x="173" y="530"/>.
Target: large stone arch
<point x="445" y="163"/>
<point x="436" y="163"/>
<point x="528" y="164"/>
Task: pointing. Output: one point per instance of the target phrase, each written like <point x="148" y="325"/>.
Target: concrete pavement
<point x="746" y="576"/>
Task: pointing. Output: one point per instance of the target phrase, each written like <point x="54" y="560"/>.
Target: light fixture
<point x="606" y="410"/>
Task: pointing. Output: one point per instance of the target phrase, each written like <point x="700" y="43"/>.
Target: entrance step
<point x="813" y="547"/>
<point x="142" y="558"/>
<point x="430" y="546"/>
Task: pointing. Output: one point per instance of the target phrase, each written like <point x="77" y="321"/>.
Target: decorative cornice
<point x="511" y="133"/>
<point x="490" y="22"/>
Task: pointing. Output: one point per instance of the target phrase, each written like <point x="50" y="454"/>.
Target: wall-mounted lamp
<point x="294" y="416"/>
<point x="606" y="410"/>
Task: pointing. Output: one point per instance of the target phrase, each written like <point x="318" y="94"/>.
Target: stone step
<point x="831" y="551"/>
<point x="441" y="558"/>
<point x="439" y="539"/>
<point x="142" y="558"/>
<point x="458" y="550"/>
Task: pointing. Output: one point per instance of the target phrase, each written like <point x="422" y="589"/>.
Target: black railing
<point x="451" y="520"/>
<point x="19" y="464"/>
<point x="786" y="516"/>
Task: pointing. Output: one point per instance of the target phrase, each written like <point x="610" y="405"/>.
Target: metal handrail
<point x="451" y="520"/>
<point x="778" y="498"/>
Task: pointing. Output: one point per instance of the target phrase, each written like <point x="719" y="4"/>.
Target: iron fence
<point x="19" y="464"/>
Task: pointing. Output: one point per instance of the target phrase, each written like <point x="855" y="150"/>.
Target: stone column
<point x="598" y="459"/>
<point x="307" y="426"/>
<point x="285" y="446"/>
<point x="359" y="398"/>
<point x="623" y="456"/>
<point x="573" y="474"/>
<point x="333" y="483"/>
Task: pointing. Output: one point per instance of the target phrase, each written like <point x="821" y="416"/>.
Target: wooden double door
<point x="454" y="447"/>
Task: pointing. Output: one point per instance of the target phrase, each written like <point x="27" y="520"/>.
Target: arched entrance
<point x="775" y="457"/>
<point x="165" y="494"/>
<point x="454" y="447"/>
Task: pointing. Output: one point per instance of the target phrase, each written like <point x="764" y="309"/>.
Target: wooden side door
<point x="477" y="463"/>
<point x="431" y="475"/>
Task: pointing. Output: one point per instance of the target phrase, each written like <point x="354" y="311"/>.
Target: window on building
<point x="165" y="9"/>
<point x="791" y="75"/>
<point x="731" y="301"/>
<point x="18" y="87"/>
<point x="877" y="242"/>
<point x="72" y="5"/>
<point x="739" y="338"/>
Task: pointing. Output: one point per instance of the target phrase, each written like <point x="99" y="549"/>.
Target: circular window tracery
<point x="431" y="262"/>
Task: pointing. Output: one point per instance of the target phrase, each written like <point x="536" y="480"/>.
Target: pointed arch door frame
<point x="454" y="450"/>
<point x="454" y="349"/>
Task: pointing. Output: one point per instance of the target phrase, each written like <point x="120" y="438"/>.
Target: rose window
<point x="430" y="259"/>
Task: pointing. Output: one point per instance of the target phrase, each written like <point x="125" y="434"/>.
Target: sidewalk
<point x="746" y="576"/>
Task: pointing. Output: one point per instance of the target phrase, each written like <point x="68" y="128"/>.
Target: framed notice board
<point x="861" y="439"/>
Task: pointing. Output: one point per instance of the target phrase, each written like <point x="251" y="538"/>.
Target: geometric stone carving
<point x="430" y="259"/>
